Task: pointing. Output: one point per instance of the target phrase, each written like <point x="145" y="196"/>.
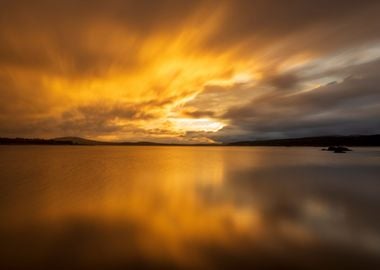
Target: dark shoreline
<point x="323" y="141"/>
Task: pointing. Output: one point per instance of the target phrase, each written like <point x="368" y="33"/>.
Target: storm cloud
<point x="351" y="106"/>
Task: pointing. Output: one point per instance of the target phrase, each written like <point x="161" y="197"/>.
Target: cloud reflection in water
<point x="184" y="207"/>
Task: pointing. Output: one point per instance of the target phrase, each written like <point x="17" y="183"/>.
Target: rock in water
<point x="337" y="149"/>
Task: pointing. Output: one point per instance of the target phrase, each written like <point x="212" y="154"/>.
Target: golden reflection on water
<point x="181" y="207"/>
<point x="166" y="200"/>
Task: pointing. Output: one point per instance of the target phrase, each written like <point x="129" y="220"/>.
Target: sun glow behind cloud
<point x="202" y="124"/>
<point x="156" y="76"/>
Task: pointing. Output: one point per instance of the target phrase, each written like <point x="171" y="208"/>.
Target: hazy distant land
<point x="353" y="140"/>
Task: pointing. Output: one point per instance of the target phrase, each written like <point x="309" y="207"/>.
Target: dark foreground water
<point x="64" y="207"/>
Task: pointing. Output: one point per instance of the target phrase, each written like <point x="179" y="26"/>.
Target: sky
<point x="189" y="71"/>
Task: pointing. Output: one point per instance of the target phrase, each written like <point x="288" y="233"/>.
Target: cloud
<point x="198" y="113"/>
<point x="347" y="107"/>
<point x="129" y="67"/>
<point x="282" y="81"/>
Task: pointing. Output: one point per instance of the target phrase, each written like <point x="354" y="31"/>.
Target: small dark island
<point x="337" y="149"/>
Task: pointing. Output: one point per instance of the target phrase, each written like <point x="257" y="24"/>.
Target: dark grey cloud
<point x="297" y="25"/>
<point x="351" y="106"/>
<point x="283" y="81"/>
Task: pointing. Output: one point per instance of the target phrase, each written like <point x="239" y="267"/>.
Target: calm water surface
<point x="64" y="207"/>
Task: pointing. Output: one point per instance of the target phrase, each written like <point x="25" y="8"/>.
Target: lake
<point x="137" y="207"/>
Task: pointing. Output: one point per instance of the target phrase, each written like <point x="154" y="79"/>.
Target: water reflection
<point x="188" y="208"/>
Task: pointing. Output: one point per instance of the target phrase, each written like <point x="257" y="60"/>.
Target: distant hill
<point x="78" y="140"/>
<point x="355" y="140"/>
<point x="82" y="141"/>
<point x="24" y="141"/>
<point x="68" y="141"/>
